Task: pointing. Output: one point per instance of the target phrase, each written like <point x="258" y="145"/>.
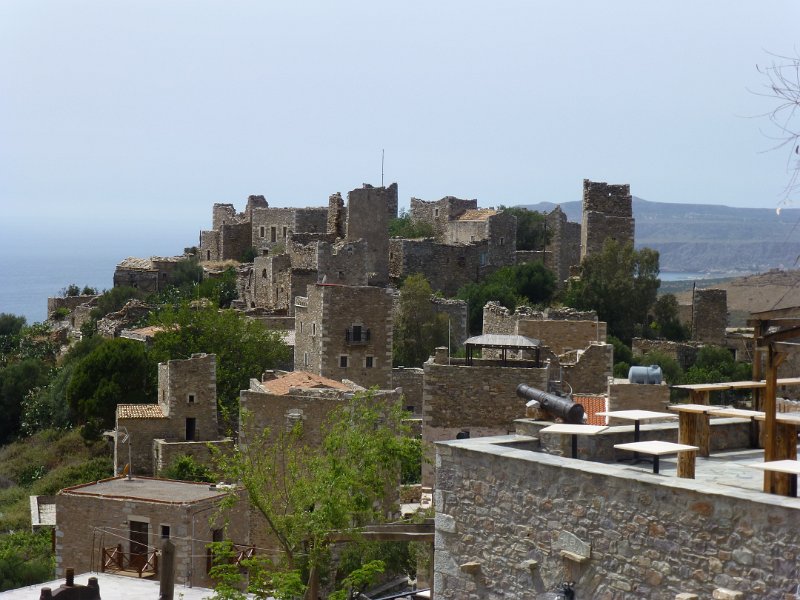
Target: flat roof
<point x="112" y="586"/>
<point x="148" y="489"/>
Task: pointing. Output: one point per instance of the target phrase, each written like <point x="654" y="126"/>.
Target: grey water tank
<point x="651" y="374"/>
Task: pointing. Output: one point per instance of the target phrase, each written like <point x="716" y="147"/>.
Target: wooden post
<point x="770" y="437"/>
<point x="686" y="460"/>
<point x="167" y="579"/>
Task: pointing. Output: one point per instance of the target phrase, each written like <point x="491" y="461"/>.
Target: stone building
<point x="514" y="522"/>
<point x="183" y="422"/>
<point x="345" y="332"/>
<point x="709" y="316"/>
<point x="607" y="213"/>
<point x="564" y="246"/>
<point x="497" y="228"/>
<point x="473" y="400"/>
<point x="447" y="267"/>
<point x="147" y="274"/>
<point x="272" y="227"/>
<point x="132" y="517"/>
<point x="439" y="213"/>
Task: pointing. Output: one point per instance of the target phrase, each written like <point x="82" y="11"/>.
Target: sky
<point x="130" y="119"/>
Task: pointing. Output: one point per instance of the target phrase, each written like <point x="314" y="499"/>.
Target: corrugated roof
<point x="496" y="340"/>
<point x="301" y="379"/>
<point x="477" y="214"/>
<point x="139" y="411"/>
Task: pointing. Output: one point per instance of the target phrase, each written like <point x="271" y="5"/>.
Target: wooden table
<point x="742" y="413"/>
<point x="636" y="416"/>
<point x="657" y="448"/>
<point x="574" y="431"/>
<point x="693" y="428"/>
<point x="788" y="466"/>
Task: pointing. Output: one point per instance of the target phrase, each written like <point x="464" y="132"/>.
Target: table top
<point x="711" y="387"/>
<point x="691" y="408"/>
<point x="779" y="466"/>
<point x="636" y="415"/>
<point x="722" y="411"/>
<point x="655" y="447"/>
<point x="574" y="429"/>
<point x="792" y="418"/>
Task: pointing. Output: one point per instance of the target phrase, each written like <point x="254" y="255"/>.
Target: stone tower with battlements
<point x="607" y="213"/>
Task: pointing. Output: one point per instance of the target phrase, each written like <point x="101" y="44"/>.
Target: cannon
<point x="558" y="406"/>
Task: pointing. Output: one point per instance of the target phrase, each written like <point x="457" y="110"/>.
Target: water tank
<point x="651" y="374"/>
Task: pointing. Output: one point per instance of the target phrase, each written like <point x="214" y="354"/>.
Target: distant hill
<point x="707" y="238"/>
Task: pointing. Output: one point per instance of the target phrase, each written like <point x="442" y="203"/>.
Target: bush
<point x="186" y="468"/>
<point x="404" y="227"/>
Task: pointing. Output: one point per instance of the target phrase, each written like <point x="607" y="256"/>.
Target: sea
<point x="36" y="264"/>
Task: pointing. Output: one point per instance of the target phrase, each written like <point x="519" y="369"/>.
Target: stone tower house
<point x="345" y="332"/>
<point x="607" y="213"/>
<point x="709" y="316"/>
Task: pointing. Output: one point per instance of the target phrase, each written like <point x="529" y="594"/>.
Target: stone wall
<point x="411" y="381"/>
<point x="187" y="389"/>
<point x="86" y="524"/>
<point x="311" y="219"/>
<point x="368" y="210"/>
<point x="710" y="316"/>
<point x="326" y="340"/>
<point x="607" y="213"/>
<point x="337" y="216"/>
<point x="165" y="453"/>
<point x="623" y="395"/>
<point x="457" y="312"/>
<point x="270" y="227"/>
<point x="446" y="267"/>
<point x="501" y="235"/>
<point x="138" y="449"/>
<point x="344" y="263"/>
<point x="564" y="245"/>
<point x="683" y="352"/>
<point x="645" y="536"/>
<point x="588" y="373"/>
<point x="481" y="400"/>
<point x="68" y="302"/>
<point x="440" y="212"/>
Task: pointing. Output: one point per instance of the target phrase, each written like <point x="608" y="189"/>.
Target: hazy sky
<point x="147" y="112"/>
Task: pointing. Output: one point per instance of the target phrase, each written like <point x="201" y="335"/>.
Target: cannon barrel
<point x="564" y="408"/>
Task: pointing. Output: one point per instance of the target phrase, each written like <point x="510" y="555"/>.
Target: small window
<point x="435" y="213"/>
<point x="313" y="329"/>
<point x="463" y="435"/>
<point x="356" y="333"/>
<point x="301" y="327"/>
<point x="191" y="398"/>
<point x="305" y="359"/>
<point x="410" y="408"/>
<point x="208" y="254"/>
<point x="369" y="362"/>
<point x="165" y="532"/>
<point x="264" y="273"/>
<point x="341" y="274"/>
<point x="343" y="361"/>
<point x="502" y="241"/>
<point x="262" y="232"/>
<point x="273" y="234"/>
<point x="284" y="232"/>
<point x="191" y="429"/>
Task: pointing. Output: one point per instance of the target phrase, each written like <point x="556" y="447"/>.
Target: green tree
<point x="621" y="284"/>
<point x="667" y="322"/>
<point x="71" y="290"/>
<point x="11" y="324"/>
<point x="418" y="328"/>
<point x="25" y="559"/>
<point x="17" y="380"/>
<point x="532" y="231"/>
<point x="186" y="468"/>
<point x="305" y="493"/>
<point x="244" y="347"/>
<point x="115" y="372"/>
<point x="673" y="374"/>
<point x="405" y="227"/>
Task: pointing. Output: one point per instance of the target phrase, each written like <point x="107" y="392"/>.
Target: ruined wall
<point x="446" y="267"/>
<point x="187" y="389"/>
<point x="235" y="239"/>
<point x="146" y="280"/>
<point x="368" y="218"/>
<point x="337" y="216"/>
<point x="683" y="352"/>
<point x="564" y="245"/>
<point x="645" y="536"/>
<point x="501" y="234"/>
<point x="68" y="302"/>
<point x="588" y="373"/>
<point x="410" y="380"/>
<point x="165" y="453"/>
<point x="222" y="214"/>
<point x="440" y="212"/>
<point x="210" y="245"/>
<point x="710" y="316"/>
<point x="344" y="263"/>
<point x="456" y="310"/>
<point x="311" y="220"/>
<point x="607" y="213"/>
<point x="560" y="330"/>
<point x="479" y="399"/>
<point x="326" y="343"/>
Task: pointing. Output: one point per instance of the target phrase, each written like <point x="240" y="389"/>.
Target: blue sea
<point x="38" y="262"/>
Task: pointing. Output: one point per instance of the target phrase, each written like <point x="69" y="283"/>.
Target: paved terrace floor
<point x="723" y="468"/>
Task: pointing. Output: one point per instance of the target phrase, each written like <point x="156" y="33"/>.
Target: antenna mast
<point x="382" y="153"/>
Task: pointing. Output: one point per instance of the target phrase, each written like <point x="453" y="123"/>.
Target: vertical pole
<point x="167" y="578"/>
<point x="382" y="155"/>
<point x="574" y="445"/>
<point x="655" y="464"/>
<point x="770" y="442"/>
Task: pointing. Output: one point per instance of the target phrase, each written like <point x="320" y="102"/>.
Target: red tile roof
<point x="591" y="406"/>
<point x="301" y="379"/>
<point x="139" y="411"/>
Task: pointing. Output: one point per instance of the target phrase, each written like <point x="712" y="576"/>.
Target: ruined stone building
<point x="607" y="213"/>
<point x="128" y="519"/>
<point x="563" y="250"/>
<point x="345" y="332"/>
<point x="147" y="274"/>
<point x="182" y="422"/>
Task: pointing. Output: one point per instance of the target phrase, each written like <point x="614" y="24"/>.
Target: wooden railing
<point x="115" y="560"/>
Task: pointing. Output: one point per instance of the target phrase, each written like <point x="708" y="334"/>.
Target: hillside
<point x="705" y="238"/>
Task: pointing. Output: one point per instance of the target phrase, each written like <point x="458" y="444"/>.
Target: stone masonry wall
<point x="188" y="389"/>
<point x="440" y="212"/>
<point x="607" y="213"/>
<point x="344" y="263"/>
<point x="411" y="381"/>
<point x="68" y="302"/>
<point x="590" y="373"/>
<point x="478" y="399"/>
<point x="368" y="211"/>
<point x="564" y="245"/>
<point x="270" y="227"/>
<point x="623" y="395"/>
<point x="501" y="234"/>
<point x="141" y="432"/>
<point x="446" y="267"/>
<point x="649" y="536"/>
<point x="710" y="316"/>
<point x="456" y="310"/>
<point x="165" y="453"/>
<point x="684" y="353"/>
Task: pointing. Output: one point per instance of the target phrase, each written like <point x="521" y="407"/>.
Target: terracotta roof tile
<point x="139" y="411"/>
<point x="301" y="379"/>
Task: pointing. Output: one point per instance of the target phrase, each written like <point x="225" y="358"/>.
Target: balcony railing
<point x="116" y="561"/>
<point x="356" y="335"/>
